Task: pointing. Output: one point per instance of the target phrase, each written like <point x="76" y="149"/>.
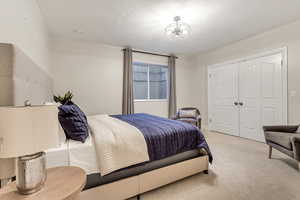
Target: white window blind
<point x="150" y="81"/>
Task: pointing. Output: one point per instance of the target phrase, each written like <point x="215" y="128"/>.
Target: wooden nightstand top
<point x="63" y="183"/>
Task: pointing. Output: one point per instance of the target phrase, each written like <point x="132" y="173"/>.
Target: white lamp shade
<point x="27" y="130"/>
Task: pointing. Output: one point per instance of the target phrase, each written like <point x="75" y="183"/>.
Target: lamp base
<point x="31" y="173"/>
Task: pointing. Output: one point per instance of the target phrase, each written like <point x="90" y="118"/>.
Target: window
<point x="150" y="81"/>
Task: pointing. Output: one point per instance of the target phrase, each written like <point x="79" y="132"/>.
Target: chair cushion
<point x="287" y="129"/>
<point x="187" y="113"/>
<point x="189" y="120"/>
<point x="282" y="139"/>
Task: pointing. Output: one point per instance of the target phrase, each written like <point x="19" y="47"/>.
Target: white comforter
<point x="118" y="144"/>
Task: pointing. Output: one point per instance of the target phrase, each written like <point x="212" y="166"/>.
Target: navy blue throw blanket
<point x="165" y="137"/>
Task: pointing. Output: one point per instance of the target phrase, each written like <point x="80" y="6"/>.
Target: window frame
<point x="148" y="82"/>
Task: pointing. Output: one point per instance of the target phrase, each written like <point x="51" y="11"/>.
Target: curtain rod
<point x="150" y="53"/>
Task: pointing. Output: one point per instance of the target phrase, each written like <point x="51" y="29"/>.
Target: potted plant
<point x="67" y="98"/>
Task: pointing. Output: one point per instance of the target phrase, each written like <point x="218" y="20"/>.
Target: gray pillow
<point x="187" y="113"/>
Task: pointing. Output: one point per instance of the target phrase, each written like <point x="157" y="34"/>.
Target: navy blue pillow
<point x="73" y="121"/>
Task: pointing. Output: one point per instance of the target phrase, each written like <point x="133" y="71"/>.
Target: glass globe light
<point x="178" y="29"/>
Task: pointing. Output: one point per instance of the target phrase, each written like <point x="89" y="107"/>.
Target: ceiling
<point x="141" y="23"/>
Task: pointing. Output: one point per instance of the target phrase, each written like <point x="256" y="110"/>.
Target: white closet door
<point x="249" y="100"/>
<point x="223" y="88"/>
<point x="272" y="102"/>
<point x="260" y="95"/>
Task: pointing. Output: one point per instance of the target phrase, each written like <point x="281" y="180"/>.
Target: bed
<point x="171" y="156"/>
<point x="119" y="184"/>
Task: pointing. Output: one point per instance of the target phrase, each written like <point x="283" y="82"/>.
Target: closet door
<point x="272" y="95"/>
<point x="260" y="95"/>
<point x="249" y="99"/>
<point x="223" y="108"/>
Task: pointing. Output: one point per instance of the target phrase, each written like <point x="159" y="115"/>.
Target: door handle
<point x="236" y="103"/>
<point x="241" y="103"/>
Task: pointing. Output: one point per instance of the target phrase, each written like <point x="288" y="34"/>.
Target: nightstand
<point x="63" y="183"/>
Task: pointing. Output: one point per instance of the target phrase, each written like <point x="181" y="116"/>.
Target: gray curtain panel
<point x="172" y="87"/>
<point x="128" y="99"/>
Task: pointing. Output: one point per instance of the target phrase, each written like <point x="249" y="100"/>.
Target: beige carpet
<point x="240" y="171"/>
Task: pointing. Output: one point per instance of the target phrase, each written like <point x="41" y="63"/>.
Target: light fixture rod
<point x="177" y="18"/>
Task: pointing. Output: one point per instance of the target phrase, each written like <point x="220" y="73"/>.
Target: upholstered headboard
<point x="20" y="79"/>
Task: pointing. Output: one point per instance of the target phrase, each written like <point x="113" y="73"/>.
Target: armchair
<point x="190" y="115"/>
<point x="285" y="139"/>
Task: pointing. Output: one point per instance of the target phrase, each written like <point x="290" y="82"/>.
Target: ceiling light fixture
<point x="178" y="29"/>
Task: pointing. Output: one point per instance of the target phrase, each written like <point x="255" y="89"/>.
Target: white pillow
<point x="187" y="113"/>
<point x="61" y="134"/>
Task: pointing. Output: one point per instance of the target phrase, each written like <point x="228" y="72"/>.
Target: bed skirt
<point x="135" y="185"/>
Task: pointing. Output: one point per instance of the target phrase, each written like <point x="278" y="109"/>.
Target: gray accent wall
<point x="6" y="71"/>
<point x="21" y="79"/>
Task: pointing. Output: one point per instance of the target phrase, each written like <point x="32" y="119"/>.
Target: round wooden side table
<point x="63" y="183"/>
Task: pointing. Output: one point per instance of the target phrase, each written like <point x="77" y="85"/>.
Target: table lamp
<point x="25" y="133"/>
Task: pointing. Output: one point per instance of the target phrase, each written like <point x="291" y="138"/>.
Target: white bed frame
<point x="136" y="185"/>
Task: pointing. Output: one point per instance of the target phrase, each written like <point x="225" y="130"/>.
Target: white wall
<point x="21" y="23"/>
<point x="288" y="35"/>
<point x="94" y="73"/>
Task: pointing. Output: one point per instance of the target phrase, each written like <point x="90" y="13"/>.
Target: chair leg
<point x="299" y="166"/>
<point x="270" y="152"/>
